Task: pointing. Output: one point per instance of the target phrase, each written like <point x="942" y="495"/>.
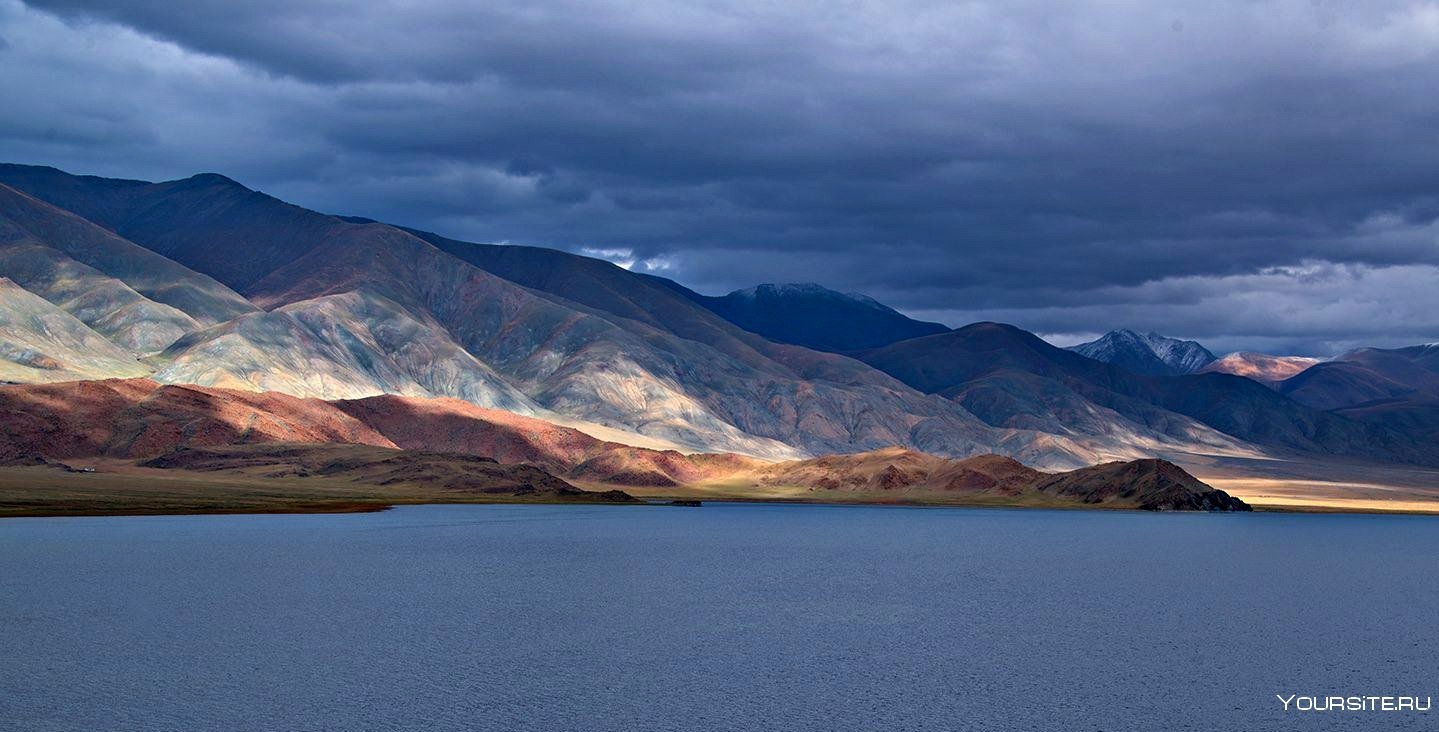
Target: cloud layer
<point x="1247" y="173"/>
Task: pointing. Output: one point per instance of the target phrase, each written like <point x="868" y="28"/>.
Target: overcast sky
<point x="1251" y="174"/>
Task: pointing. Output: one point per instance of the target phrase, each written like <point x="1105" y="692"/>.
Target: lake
<point x="729" y="616"/>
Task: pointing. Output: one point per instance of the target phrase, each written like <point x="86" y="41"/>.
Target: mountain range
<point x="205" y="282"/>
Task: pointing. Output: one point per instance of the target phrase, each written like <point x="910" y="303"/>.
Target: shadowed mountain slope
<point x="1416" y="367"/>
<point x="1008" y="377"/>
<point x="1338" y="384"/>
<point x="31" y="221"/>
<point x="207" y="222"/>
<point x="816" y="317"/>
<point x="1396" y="388"/>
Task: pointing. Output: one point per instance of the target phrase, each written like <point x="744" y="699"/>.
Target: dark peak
<point x="992" y="329"/>
<point x="814" y="316"/>
<point x="210" y="179"/>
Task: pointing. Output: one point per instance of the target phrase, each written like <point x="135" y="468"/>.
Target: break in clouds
<point x="1251" y="174"/>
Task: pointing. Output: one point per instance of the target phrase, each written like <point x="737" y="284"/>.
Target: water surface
<point x="738" y="616"/>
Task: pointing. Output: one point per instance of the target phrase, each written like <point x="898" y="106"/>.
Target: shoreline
<point x="116" y="487"/>
<point x="357" y="507"/>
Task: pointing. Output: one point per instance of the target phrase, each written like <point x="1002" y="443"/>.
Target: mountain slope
<point x="137" y="418"/>
<point x="1416" y="367"/>
<point x="621" y="372"/>
<point x="203" y="222"/>
<point x="608" y="346"/>
<point x="816" y="317"/>
<point x="1011" y="378"/>
<point x="140" y="418"/>
<point x="1007" y="376"/>
<point x="451" y="425"/>
<point x="1395" y="388"/>
<point x="1261" y="367"/>
<point x="337" y="346"/>
<point x="27" y="220"/>
<point x="826" y="416"/>
<point x="39" y="342"/>
<point x="107" y="305"/>
<point x="451" y="472"/>
<point x="1338" y="384"/>
<point x="1151" y="354"/>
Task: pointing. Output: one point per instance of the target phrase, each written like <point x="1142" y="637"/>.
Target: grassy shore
<point x="119" y="488"/>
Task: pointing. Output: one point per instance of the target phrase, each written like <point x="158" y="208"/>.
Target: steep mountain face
<point x="208" y="223"/>
<point x="816" y="317"/>
<point x="1417" y="416"/>
<point x="1261" y="367"/>
<point x="1338" y="384"/>
<point x="29" y="222"/>
<point x="1013" y="379"/>
<point x="1395" y="388"/>
<point x="41" y="343"/>
<point x="1416" y="367"/>
<point x="1151" y="354"/>
<point x="1009" y="377"/>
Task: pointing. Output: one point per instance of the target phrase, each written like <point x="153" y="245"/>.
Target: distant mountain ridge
<point x="1396" y="386"/>
<point x="239" y="290"/>
<point x="1261" y="367"/>
<point x="1011" y="378"/>
<point x="1147" y="353"/>
<point x="807" y="314"/>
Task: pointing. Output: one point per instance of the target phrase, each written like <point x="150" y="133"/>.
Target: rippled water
<point x="724" y="617"/>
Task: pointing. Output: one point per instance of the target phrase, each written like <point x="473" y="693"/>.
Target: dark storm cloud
<point x="1069" y="168"/>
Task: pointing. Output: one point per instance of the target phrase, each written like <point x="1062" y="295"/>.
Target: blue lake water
<point x="739" y="616"/>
